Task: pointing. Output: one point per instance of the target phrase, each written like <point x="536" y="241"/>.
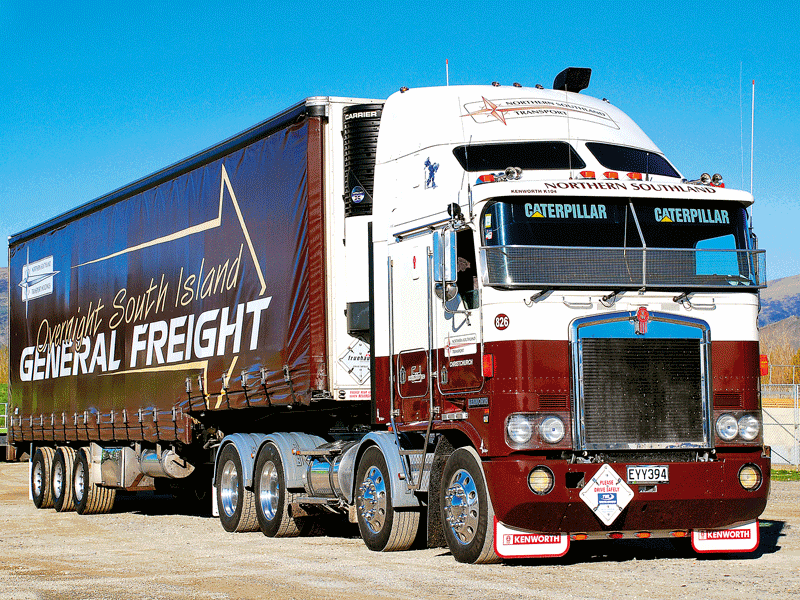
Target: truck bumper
<point x="699" y="495"/>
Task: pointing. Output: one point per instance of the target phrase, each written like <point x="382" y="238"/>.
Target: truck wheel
<point x="383" y="528"/>
<point x="42" y="465"/>
<point x="61" y="479"/>
<point x="467" y="513"/>
<point x="89" y="498"/>
<point x="237" y="506"/>
<point x="272" y="497"/>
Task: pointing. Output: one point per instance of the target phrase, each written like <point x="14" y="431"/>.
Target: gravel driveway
<point x="147" y="549"/>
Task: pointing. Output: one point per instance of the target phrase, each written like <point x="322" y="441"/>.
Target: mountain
<point x="779" y="321"/>
<point x="780" y="300"/>
<point x="3" y="306"/>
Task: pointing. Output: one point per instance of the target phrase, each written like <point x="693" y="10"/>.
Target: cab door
<point x="457" y="322"/>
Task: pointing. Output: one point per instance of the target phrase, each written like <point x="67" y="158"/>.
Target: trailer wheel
<point x="272" y="497"/>
<point x="61" y="479"/>
<point x="382" y="528"/>
<point x="467" y="512"/>
<point x="237" y="505"/>
<point x="89" y="497"/>
<point x="41" y="466"/>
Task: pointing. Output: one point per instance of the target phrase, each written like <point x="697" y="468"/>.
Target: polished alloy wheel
<point x="462" y="506"/>
<point x="229" y="488"/>
<point x="58" y="479"/>
<point x="372" y="500"/>
<point x="269" y="492"/>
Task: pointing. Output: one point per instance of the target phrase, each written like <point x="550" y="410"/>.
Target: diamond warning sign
<point x="606" y="494"/>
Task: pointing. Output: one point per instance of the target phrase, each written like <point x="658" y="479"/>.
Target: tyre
<point x="467" y="513"/>
<point x="41" y="466"/>
<point x="272" y="497"/>
<point x="382" y="528"/>
<point x="89" y="498"/>
<point x="61" y="479"/>
<point x="237" y="506"/>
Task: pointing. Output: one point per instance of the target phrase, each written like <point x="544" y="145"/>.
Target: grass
<point x="785" y="475"/>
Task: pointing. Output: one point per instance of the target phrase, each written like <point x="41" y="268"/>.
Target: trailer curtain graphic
<point x="177" y="289"/>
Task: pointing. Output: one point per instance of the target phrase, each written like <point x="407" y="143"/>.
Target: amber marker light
<point x="587" y="174"/>
<point x="611" y="175"/>
<point x="635" y="176"/>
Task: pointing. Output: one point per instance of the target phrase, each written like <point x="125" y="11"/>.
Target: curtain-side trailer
<point x="493" y="318"/>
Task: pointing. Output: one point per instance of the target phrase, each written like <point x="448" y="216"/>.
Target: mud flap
<point x="510" y="542"/>
<point x="744" y="538"/>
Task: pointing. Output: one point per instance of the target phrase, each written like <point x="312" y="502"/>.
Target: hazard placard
<point x="606" y="494"/>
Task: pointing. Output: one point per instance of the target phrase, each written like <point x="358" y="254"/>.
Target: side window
<point x="467" y="277"/>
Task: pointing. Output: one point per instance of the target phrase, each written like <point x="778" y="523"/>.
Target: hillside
<point x="780" y="300"/>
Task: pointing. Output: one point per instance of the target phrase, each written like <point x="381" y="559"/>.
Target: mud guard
<point x="744" y="538"/>
<point x="510" y="542"/>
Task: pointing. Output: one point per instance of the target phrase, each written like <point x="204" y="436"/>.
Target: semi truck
<point x="493" y="318"/>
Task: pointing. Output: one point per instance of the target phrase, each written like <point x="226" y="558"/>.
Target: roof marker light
<point x="496" y="83"/>
<point x="587" y="174"/>
<point x="517" y="84"/>
<point x="635" y="176"/>
<point x="489" y="178"/>
<point x="611" y="175"/>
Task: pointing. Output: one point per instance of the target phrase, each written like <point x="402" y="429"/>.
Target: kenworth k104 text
<point x="492" y="318"/>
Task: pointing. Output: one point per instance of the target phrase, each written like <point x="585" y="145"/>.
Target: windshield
<point x="585" y="242"/>
<point x="588" y="223"/>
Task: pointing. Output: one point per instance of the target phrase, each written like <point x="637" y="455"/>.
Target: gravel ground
<point x="146" y="549"/>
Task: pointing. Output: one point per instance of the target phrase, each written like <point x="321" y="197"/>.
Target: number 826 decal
<point x="501" y="321"/>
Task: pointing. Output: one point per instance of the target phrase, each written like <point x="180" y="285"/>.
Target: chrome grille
<point x="641" y="393"/>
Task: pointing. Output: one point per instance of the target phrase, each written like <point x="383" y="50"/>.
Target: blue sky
<point x="95" y="95"/>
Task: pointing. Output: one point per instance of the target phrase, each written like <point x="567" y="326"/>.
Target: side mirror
<point x="445" y="265"/>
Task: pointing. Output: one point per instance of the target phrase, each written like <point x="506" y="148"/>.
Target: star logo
<point x="491" y="109"/>
<point x="37" y="279"/>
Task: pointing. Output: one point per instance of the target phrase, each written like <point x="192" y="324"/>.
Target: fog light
<point x="541" y="480"/>
<point x="727" y="427"/>
<point x="750" y="477"/>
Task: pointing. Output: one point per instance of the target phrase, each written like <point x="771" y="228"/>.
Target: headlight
<point x="727" y="427"/>
<point x="552" y="430"/>
<point x="749" y="428"/>
<point x="519" y="429"/>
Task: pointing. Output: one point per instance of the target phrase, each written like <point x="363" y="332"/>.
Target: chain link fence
<point x="781" y="412"/>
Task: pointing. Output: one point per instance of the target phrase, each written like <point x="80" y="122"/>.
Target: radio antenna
<point x="752" y="124"/>
<point x="741" y="123"/>
<point x="447" y="71"/>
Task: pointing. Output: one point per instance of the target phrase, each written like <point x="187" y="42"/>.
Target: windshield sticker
<point x="692" y="215"/>
<point x="565" y="211"/>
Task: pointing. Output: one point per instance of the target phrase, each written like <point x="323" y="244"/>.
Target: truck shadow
<point x="619" y="551"/>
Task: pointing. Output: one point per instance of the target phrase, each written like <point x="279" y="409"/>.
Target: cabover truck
<point x="493" y="318"/>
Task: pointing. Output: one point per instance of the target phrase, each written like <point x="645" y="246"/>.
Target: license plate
<point x="648" y="474"/>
